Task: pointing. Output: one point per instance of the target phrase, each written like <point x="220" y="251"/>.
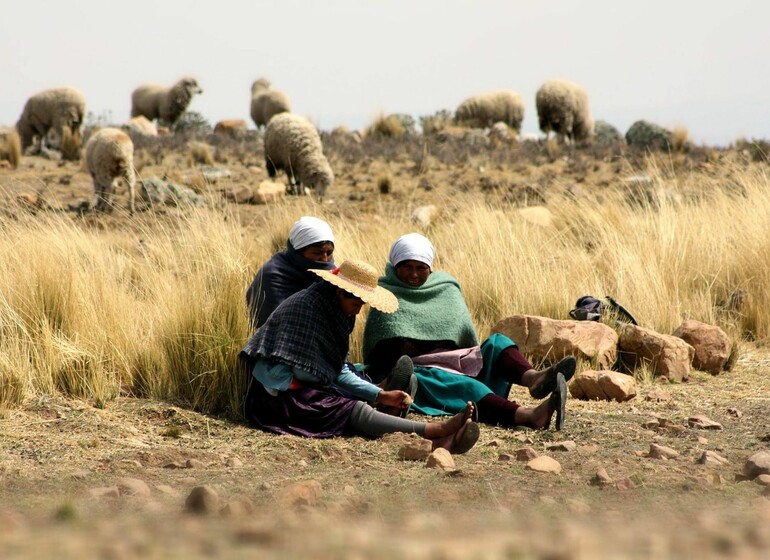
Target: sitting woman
<point x="433" y="326"/>
<point x="298" y="360"/>
<point x="310" y="246"/>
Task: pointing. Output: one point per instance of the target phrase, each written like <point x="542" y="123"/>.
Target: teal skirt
<point x="443" y="392"/>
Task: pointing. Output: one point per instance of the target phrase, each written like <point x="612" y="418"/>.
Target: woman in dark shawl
<point x="297" y="359"/>
<point x="310" y="246"/>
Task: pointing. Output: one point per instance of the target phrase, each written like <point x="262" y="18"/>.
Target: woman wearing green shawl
<point x="433" y="326"/>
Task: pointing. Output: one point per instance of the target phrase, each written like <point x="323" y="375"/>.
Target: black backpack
<point x="588" y="308"/>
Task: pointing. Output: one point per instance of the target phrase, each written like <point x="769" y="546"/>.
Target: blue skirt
<point x="444" y="392"/>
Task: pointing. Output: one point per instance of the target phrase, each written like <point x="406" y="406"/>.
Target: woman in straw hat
<point x="310" y="246"/>
<point x="433" y="326"/>
<point x="297" y="360"/>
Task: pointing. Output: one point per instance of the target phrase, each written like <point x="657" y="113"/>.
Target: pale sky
<point x="704" y="65"/>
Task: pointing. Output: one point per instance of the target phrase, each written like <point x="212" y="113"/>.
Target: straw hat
<point x="360" y="279"/>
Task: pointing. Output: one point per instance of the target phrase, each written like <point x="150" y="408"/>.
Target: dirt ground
<point x="78" y="481"/>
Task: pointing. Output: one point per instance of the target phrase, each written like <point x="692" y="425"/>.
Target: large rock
<point x="669" y="356"/>
<point x="711" y="345"/>
<point x="645" y="134"/>
<point x="603" y="386"/>
<point x="551" y="339"/>
<point x="758" y="464"/>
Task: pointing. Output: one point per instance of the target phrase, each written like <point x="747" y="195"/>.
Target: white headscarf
<point x="308" y="230"/>
<point x="412" y="247"/>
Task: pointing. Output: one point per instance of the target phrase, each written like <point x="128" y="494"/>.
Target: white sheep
<point x="140" y="126"/>
<point x="164" y="103"/>
<point x="266" y="102"/>
<point x="54" y="109"/>
<point x="562" y="107"/>
<point x="485" y="109"/>
<point x="109" y="157"/>
<point x="292" y="144"/>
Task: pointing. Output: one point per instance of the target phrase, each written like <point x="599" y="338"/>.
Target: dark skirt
<point x="316" y="412"/>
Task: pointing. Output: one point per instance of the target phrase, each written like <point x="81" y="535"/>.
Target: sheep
<point x="140" y="126"/>
<point x="485" y="109"/>
<point x="110" y="156"/>
<point x="10" y="147"/>
<point x="562" y="107"/>
<point x="165" y="104"/>
<point x="292" y="144"/>
<point x="54" y="109"/>
<point x="266" y="103"/>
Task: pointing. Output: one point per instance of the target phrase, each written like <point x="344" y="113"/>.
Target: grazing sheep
<point x="53" y="109"/>
<point x="266" y="103"/>
<point x="562" y="107"/>
<point x="110" y="156"/>
<point x="485" y="109"/>
<point x="292" y="144"/>
<point x="165" y="104"/>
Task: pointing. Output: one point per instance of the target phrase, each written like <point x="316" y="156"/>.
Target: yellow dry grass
<point x="159" y="310"/>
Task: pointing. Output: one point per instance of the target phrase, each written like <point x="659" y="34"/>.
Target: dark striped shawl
<point x="308" y="330"/>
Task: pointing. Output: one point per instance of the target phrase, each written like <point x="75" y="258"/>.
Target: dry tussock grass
<point x="159" y="312"/>
<point x="10" y="148"/>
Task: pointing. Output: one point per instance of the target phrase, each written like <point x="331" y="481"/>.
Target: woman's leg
<point x="449" y="434"/>
<point x="498" y="411"/>
<point x="512" y="366"/>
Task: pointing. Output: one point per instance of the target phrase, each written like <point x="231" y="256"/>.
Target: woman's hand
<point x="396" y="399"/>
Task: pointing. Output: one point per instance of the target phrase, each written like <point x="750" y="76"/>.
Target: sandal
<point x="465" y="438"/>
<point x="565" y="366"/>
<point x="558" y="401"/>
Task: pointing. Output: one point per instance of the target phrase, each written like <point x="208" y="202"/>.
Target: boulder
<point x="648" y="135"/>
<point x="541" y="338"/>
<point x="711" y="345"/>
<point x="603" y="386"/>
<point x="669" y="356"/>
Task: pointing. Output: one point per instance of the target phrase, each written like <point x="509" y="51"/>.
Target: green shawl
<point x="434" y="311"/>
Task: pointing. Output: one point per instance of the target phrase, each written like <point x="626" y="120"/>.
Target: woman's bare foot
<point x="537" y="418"/>
<point x="462" y="440"/>
<point x="435" y="430"/>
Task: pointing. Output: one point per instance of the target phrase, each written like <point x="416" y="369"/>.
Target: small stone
<point x="712" y="458"/>
<point x="757" y="464"/>
<point x="589" y="449"/>
<point x="132" y="487"/>
<point x="601" y="478"/>
<point x="174" y="465"/>
<point x="763" y="479"/>
<point x="305" y="493"/>
<point x="505" y="457"/>
<point x="625" y="484"/>
<point x="234" y="462"/>
<point x="237" y="508"/>
<point x="265" y="486"/>
<point x="734" y="412"/>
<point x="703" y="423"/>
<point x="440" y="459"/>
<point x="566" y="445"/>
<point x="544" y="464"/>
<point x="651" y="424"/>
<point x="81" y="474"/>
<point x="525" y="454"/>
<point x="701" y="440"/>
<point x="523" y="438"/>
<point x="658" y="394"/>
<point x="194" y="464"/>
<point x="302" y="463"/>
<point x="493" y="443"/>
<point x="417" y="450"/>
<point x="661" y="452"/>
<point x="202" y="500"/>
